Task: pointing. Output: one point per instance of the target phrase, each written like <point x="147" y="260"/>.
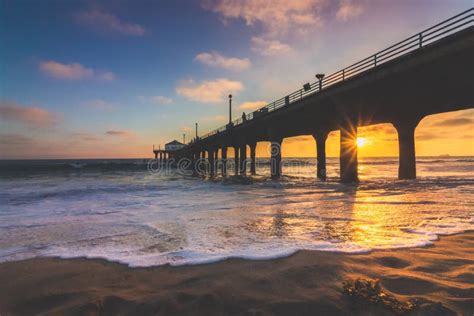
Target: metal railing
<point x="452" y="25"/>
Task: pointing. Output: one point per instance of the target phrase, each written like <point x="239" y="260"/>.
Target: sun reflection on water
<point x="348" y="217"/>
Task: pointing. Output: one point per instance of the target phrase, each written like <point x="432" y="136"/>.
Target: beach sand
<point x="440" y="277"/>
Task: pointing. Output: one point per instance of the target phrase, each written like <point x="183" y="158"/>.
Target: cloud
<point x="73" y="71"/>
<point x="66" y="71"/>
<point x="15" y="140"/>
<point x="216" y="118"/>
<point x="124" y="134"/>
<point x="297" y="139"/>
<point x="215" y="59"/>
<point x="30" y="116"/>
<point x="108" y="23"/>
<point x="116" y="132"/>
<point x="99" y="104"/>
<point x="252" y="105"/>
<point x="276" y="17"/>
<point x="427" y="136"/>
<point x="377" y="129"/>
<point x="107" y="76"/>
<point x="268" y="47"/>
<point x="348" y="9"/>
<point x="209" y="91"/>
<point x="156" y="99"/>
<point x="454" y="122"/>
<point x="84" y="137"/>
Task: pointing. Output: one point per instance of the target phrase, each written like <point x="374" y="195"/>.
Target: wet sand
<point x="440" y="277"/>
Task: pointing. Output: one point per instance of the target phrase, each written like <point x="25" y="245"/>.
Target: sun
<point x="361" y="142"/>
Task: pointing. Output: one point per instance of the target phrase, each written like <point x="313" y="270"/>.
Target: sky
<point x="108" y="79"/>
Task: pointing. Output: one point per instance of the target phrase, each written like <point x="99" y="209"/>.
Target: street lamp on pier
<point x="230" y="109"/>
<point x="320" y="78"/>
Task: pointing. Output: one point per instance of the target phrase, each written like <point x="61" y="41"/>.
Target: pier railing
<point x="452" y="25"/>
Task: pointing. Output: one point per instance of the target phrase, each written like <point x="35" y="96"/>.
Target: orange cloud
<point x="30" y="116"/>
<point x="276" y="17"/>
<point x="455" y="122"/>
<point x="252" y="105"/>
<point x="270" y="47"/>
<point x="73" y="71"/>
<point x="106" y="22"/>
<point x="349" y="9"/>
<point x="215" y="59"/>
<point x="209" y="91"/>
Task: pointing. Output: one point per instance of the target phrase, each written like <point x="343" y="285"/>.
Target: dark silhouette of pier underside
<point x="428" y="73"/>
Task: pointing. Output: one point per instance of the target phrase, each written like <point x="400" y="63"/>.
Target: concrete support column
<point x="348" y="154"/>
<point x="224" y="161"/>
<point x="406" y="148"/>
<point x="197" y="161"/>
<point x="201" y="166"/>
<point x="216" y="160"/>
<point x="275" y="160"/>
<point x="236" y="160"/>
<point x="165" y="158"/>
<point x="194" y="158"/>
<point x="320" y="137"/>
<point x="243" y="159"/>
<point x="212" y="169"/>
<point x="253" y="170"/>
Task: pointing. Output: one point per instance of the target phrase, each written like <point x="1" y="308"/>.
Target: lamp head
<point x="230" y="96"/>
<point x="320" y="76"/>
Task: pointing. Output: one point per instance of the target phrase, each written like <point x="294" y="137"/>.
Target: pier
<point x="428" y="73"/>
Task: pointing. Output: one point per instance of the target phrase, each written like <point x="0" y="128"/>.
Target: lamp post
<point x="196" y="131"/>
<point x="320" y="78"/>
<point x="230" y="109"/>
<point x="184" y="138"/>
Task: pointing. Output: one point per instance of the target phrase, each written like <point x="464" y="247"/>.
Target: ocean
<point x="120" y="211"/>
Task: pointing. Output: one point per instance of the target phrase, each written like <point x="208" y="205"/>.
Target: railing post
<point x="343" y="74"/>
<point x="420" y="36"/>
<point x="375" y="60"/>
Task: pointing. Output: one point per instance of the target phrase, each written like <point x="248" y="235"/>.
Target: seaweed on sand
<point x="367" y="292"/>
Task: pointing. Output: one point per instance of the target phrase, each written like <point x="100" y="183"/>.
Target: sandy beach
<point x="432" y="280"/>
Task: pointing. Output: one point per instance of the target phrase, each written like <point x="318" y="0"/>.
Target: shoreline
<point x="243" y="257"/>
<point x="439" y="276"/>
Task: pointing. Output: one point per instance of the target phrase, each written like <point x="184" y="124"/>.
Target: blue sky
<point x="111" y="78"/>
